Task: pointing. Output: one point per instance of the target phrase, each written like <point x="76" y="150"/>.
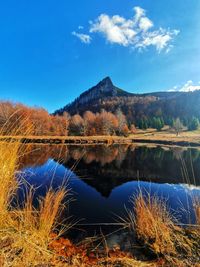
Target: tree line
<point x="158" y="123"/>
<point x="100" y="123"/>
<point x="18" y="119"/>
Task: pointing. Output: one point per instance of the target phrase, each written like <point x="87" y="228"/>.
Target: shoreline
<point x="183" y="141"/>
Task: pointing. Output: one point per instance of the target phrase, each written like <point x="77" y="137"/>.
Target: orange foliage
<point x="17" y="119"/>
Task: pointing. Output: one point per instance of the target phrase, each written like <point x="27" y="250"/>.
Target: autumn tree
<point x="89" y="123"/>
<point x="106" y="123"/>
<point x="178" y="126"/>
<point x="6" y="109"/>
<point x="66" y="117"/>
<point x="14" y="119"/>
<point x="18" y="119"/>
<point x="76" y="125"/>
<point x="122" y="128"/>
<point x="59" y="126"/>
<point x="125" y="130"/>
<point x="133" y="129"/>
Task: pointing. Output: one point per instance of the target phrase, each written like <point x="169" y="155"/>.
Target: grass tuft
<point x="154" y="224"/>
<point x="50" y="209"/>
<point x="159" y="233"/>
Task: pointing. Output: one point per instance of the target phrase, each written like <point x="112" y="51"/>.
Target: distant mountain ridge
<point x="105" y="95"/>
<point x="103" y="89"/>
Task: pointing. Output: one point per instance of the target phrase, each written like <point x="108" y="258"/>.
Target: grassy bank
<point x="30" y="236"/>
<point x="164" y="137"/>
<point x="190" y="138"/>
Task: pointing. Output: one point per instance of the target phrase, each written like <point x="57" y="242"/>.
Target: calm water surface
<point x="103" y="178"/>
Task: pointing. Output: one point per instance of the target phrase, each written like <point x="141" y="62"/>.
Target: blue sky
<point x="51" y="51"/>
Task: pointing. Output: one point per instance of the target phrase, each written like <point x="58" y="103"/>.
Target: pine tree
<point x="193" y="124"/>
<point x="158" y="124"/>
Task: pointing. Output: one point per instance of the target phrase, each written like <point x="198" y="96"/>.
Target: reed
<point x="159" y="234"/>
<point x="154" y="225"/>
<point x="8" y="182"/>
<point x="26" y="230"/>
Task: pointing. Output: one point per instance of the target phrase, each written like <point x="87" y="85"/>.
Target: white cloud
<point x="139" y="12"/>
<point x="135" y="32"/>
<point x="189" y="86"/>
<point x="145" y="24"/>
<point x="160" y="39"/>
<point x="115" y="29"/>
<point x="85" y="38"/>
<point x="174" y="89"/>
<point x="169" y="48"/>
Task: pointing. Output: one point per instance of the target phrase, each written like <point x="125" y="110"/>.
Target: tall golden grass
<point x="28" y="229"/>
<point x="8" y="183"/>
<point x="160" y="234"/>
<point x="154" y="224"/>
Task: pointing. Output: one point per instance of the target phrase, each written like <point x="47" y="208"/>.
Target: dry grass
<point x="50" y="208"/>
<point x="158" y="233"/>
<point x="25" y="231"/>
<point x="35" y="227"/>
<point x="8" y="183"/>
<point x="154" y="224"/>
<point x="166" y="136"/>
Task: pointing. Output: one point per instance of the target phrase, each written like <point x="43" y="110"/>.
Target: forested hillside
<point x="166" y="105"/>
<point x="104" y="110"/>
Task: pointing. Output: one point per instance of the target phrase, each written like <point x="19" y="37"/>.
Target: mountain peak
<point x="107" y="80"/>
<point x="103" y="90"/>
<point x="105" y="85"/>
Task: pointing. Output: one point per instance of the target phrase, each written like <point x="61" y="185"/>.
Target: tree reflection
<point x="106" y="167"/>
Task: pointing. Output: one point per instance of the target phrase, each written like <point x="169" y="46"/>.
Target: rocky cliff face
<point x="105" y="87"/>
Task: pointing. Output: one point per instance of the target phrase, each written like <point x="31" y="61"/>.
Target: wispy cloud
<point x="85" y="38"/>
<point x="160" y="39"/>
<point x="189" y="86"/>
<point x="137" y="32"/>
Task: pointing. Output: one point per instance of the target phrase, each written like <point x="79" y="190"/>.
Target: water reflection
<point x="103" y="178"/>
<point x="105" y="168"/>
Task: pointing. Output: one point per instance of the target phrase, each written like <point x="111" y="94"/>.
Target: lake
<point x="102" y="179"/>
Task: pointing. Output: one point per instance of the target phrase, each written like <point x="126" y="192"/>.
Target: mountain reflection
<point x="107" y="167"/>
